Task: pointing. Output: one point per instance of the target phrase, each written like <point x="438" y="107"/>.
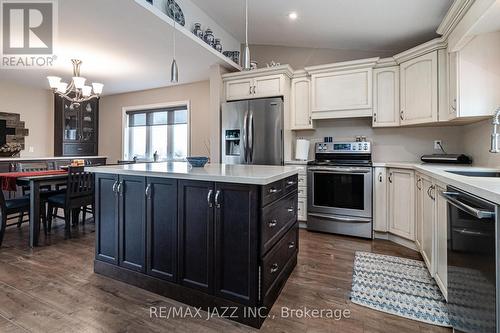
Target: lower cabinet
<point x="441" y="275"/>
<point x="419" y="220"/>
<point x="198" y="238"/>
<point x="402" y="203"/>
<point x="161" y="226"/>
<point x="428" y="231"/>
<point x="380" y="203"/>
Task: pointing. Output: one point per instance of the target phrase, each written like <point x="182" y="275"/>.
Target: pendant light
<point x="246" y="53"/>
<point x="174" y="70"/>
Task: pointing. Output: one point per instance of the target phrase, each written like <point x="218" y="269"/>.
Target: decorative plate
<point x="173" y="7"/>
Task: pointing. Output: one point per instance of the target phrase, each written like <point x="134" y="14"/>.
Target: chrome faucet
<point x="495" y="135"/>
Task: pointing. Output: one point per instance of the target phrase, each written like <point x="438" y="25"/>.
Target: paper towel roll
<point x="302" y="150"/>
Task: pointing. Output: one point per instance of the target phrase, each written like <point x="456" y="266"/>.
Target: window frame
<point x="147" y="107"/>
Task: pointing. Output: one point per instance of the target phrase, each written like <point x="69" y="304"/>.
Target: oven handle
<point x="340" y="170"/>
<point x="342" y="219"/>
<point x="480" y="214"/>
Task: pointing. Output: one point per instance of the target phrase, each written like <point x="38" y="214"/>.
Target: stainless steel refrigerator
<point x="252" y="132"/>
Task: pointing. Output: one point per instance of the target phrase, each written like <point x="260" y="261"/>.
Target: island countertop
<point x="243" y="174"/>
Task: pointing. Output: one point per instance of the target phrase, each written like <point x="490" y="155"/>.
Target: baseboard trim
<point x="395" y="239"/>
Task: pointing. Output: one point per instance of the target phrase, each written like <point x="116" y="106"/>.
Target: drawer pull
<point x="291" y="245"/>
<point x="274" y="268"/>
<point x="291" y="210"/>
<point x="273" y="190"/>
<point x="291" y="182"/>
<point x="273" y="223"/>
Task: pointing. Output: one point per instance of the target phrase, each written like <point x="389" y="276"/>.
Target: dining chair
<point x="79" y="194"/>
<point x="15" y="209"/>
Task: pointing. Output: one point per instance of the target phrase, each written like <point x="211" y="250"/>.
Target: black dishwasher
<point x="472" y="270"/>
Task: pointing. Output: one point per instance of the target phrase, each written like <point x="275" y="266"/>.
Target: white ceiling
<point x="122" y="45"/>
<point x="337" y="24"/>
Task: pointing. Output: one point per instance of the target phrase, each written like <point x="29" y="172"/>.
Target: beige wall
<point x="476" y="139"/>
<point x="110" y="115"/>
<point x="300" y="57"/>
<point x="36" y="107"/>
<point x="390" y="144"/>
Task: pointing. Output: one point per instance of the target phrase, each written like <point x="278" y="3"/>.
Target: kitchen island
<point x="223" y="238"/>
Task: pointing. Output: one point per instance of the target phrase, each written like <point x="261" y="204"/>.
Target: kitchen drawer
<point x="276" y="190"/>
<point x="275" y="262"/>
<point x="302" y="179"/>
<point x="79" y="149"/>
<point x="302" y="210"/>
<point x="303" y="192"/>
<point x="276" y="219"/>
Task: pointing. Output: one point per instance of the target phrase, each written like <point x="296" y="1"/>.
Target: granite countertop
<point x="485" y="187"/>
<point x="243" y="174"/>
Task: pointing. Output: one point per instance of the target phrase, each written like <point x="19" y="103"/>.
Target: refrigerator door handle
<point x="245" y="136"/>
<point x="250" y="138"/>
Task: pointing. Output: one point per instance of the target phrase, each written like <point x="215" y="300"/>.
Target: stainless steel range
<point x="340" y="189"/>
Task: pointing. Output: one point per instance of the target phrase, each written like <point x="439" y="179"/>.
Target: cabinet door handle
<point x="254" y="90"/>
<point x="291" y="245"/>
<point x="291" y="182"/>
<point x="310" y="120"/>
<point x="418" y="182"/>
<point x="217" y="196"/>
<point x="291" y="210"/>
<point x="148" y="191"/>
<point x="274" y="268"/>
<point x="374" y="117"/>
<point x="272" y="224"/>
<point x="250" y="92"/>
<point x="390" y="178"/>
<point x="119" y="188"/>
<point x="115" y="184"/>
<point x="401" y="114"/>
<point x="273" y="190"/>
<point x="380" y="177"/>
<point x="209" y="199"/>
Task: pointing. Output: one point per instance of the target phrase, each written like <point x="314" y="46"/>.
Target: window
<point x="160" y="130"/>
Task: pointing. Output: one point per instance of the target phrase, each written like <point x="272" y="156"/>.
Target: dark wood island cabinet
<point x="209" y="244"/>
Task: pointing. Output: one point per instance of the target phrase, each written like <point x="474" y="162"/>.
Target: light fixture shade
<point x="54" y="81"/>
<point x="98" y="87"/>
<point x="62" y="87"/>
<point x="246" y="58"/>
<point x="79" y="82"/>
<point x="174" y="72"/>
<point x="86" y="91"/>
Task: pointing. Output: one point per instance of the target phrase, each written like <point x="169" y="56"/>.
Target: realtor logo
<point x="27" y="29"/>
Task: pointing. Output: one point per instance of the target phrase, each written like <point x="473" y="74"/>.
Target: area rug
<point x="399" y="286"/>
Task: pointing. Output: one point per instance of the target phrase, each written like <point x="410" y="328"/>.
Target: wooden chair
<point x="79" y="194"/>
<point x="15" y="209"/>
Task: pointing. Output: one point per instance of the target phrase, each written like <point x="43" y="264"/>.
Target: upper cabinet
<point x="267" y="82"/>
<point x="300" y="104"/>
<point x="419" y="90"/>
<point x="474" y="78"/>
<point x="342" y="90"/>
<point x="386" y="97"/>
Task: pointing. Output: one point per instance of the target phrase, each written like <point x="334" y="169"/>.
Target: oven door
<point x="343" y="191"/>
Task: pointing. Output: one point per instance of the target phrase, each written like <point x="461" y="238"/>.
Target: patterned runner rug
<point x="399" y="286"/>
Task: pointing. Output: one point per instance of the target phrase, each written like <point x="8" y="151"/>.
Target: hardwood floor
<point x="53" y="289"/>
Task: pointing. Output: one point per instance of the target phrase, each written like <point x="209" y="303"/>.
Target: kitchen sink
<point x="488" y="174"/>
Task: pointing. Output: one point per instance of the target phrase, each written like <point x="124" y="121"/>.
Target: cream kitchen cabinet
<point x="302" y="189"/>
<point x="419" y="90"/>
<point x="300" y="106"/>
<point x="342" y="90"/>
<point x="402" y="203"/>
<point x="380" y="216"/>
<point x="419" y="197"/>
<point x="262" y="86"/>
<point x="473" y="78"/>
<point x="428" y="223"/>
<point x="386" y="97"/>
<point x="441" y="232"/>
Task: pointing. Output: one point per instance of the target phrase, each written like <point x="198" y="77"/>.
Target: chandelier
<point x="75" y="92"/>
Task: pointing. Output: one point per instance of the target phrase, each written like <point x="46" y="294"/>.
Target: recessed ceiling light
<point x="293" y="16"/>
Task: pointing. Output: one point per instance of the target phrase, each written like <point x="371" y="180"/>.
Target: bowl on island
<point x="197" y="161"/>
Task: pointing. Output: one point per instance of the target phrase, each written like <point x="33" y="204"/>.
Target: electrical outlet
<point x="437" y="144"/>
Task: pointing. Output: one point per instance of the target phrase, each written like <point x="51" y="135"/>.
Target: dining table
<point x="35" y="181"/>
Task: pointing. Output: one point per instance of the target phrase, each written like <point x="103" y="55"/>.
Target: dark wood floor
<point x="53" y="289"/>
